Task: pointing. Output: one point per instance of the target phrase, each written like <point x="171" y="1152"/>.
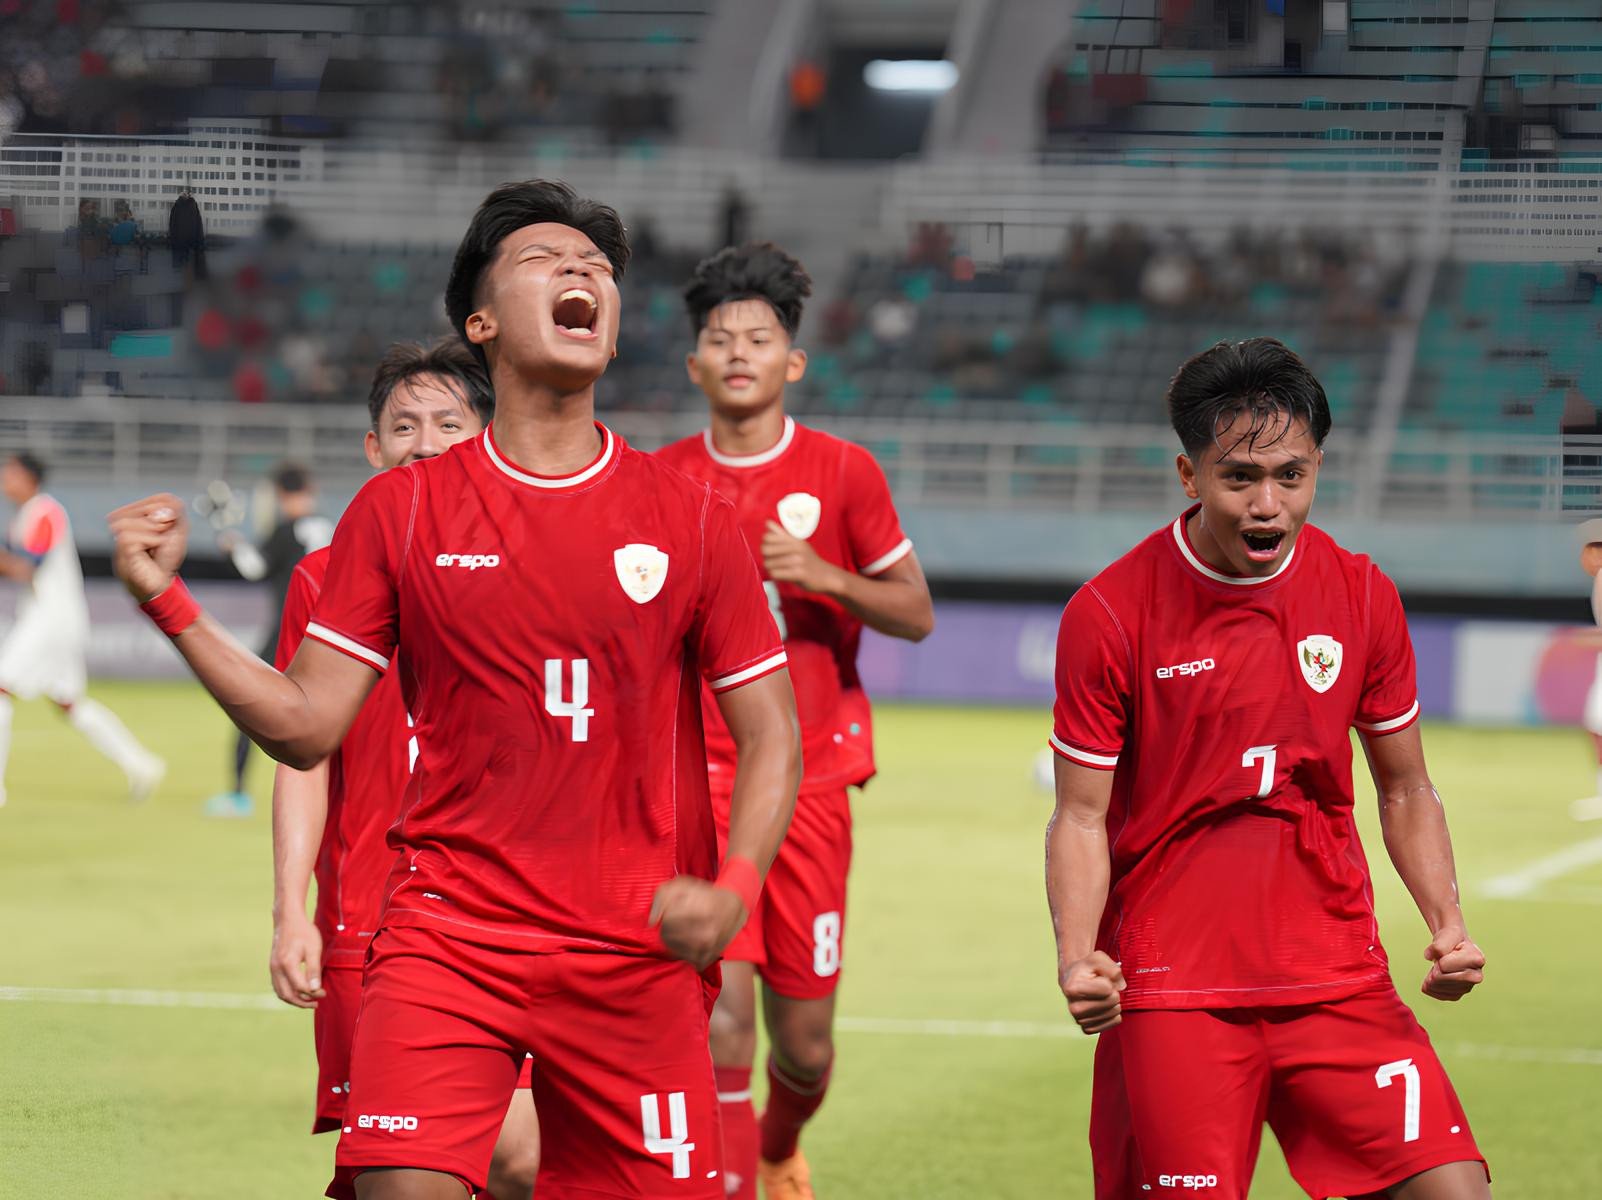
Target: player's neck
<point x="1206" y="546"/>
<point x="745" y="433"/>
<point x="547" y="434"/>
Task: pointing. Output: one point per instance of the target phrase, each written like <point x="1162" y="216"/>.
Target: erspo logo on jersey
<point x="1194" y="1183"/>
<point x="392" y="1124"/>
<point x="468" y="562"/>
<point x="1183" y="670"/>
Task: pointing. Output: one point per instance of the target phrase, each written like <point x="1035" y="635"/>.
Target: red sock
<point x="739" y="1132"/>
<point x="791" y="1104"/>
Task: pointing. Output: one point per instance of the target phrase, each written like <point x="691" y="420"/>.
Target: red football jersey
<point x="552" y="635"/>
<point x="834" y="495"/>
<point x="367" y="779"/>
<point x="1223" y="706"/>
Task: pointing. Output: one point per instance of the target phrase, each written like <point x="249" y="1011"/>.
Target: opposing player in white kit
<point x="43" y="654"/>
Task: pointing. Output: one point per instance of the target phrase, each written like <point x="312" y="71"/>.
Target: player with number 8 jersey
<point x="1214" y="909"/>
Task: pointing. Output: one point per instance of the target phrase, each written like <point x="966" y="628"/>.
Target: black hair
<point x="1261" y="376"/>
<point x="30" y="463"/>
<point x="506" y="210"/>
<point x="449" y="357"/>
<point x="291" y="478"/>
<point x="755" y="271"/>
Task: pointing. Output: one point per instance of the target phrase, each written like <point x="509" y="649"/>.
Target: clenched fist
<point x="149" y="538"/>
<point x="1092" y="986"/>
<point x="697" y="918"/>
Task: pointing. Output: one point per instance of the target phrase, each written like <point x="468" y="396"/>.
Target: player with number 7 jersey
<point x="1214" y="909"/>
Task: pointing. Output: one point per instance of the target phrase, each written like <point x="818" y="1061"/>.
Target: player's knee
<point x="512" y="1171"/>
<point x="733" y="1036"/>
<point x="806" y="1052"/>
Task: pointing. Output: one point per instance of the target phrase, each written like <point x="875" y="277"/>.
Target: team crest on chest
<point x="641" y="569"/>
<point x="799" y="513"/>
<point x="1319" y="656"/>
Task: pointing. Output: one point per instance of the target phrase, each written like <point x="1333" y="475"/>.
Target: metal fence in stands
<point x="1022" y="466"/>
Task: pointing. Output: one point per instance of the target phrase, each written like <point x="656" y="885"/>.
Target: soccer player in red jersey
<point x="331" y="820"/>
<point x="817" y="512"/>
<point x="1213" y="908"/>
<point x="556" y="599"/>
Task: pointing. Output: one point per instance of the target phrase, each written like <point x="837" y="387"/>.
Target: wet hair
<point x="506" y="210"/>
<point x="1260" y="376"/>
<point x="30" y="463"/>
<point x="755" y="271"/>
<point x="449" y="357"/>
<point x="291" y="478"/>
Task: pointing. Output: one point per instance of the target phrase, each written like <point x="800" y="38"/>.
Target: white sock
<point x="5" y="737"/>
<point x="107" y="734"/>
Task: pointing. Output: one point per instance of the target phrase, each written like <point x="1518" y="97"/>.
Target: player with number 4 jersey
<point x="1213" y="906"/>
<point x="817" y="512"/>
<point x="556" y="600"/>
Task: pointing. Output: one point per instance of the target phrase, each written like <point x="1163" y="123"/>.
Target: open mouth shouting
<point x="1263" y="545"/>
<point x="574" y="312"/>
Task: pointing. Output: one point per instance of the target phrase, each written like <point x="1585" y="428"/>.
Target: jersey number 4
<point x="576" y="708"/>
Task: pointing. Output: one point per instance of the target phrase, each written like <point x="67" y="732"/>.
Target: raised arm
<point x="297" y="717"/>
<point x="1078" y="870"/>
<point x="1414" y="825"/>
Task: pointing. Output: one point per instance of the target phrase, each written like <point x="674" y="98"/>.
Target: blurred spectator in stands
<point x="808" y="87"/>
<point x="1169" y="279"/>
<point x="931" y="245"/>
<point x="186" y="234"/>
<point x="891" y="320"/>
<point x="91" y="230"/>
<point x="734" y="217"/>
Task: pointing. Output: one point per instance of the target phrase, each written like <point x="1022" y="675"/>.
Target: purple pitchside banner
<point x="979" y="652"/>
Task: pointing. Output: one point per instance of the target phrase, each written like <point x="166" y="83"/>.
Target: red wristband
<point x="741" y="877"/>
<point x="173" y="609"/>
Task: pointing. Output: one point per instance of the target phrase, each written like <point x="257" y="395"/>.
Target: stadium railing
<point x="997" y="466"/>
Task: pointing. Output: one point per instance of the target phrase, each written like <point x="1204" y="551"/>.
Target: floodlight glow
<point x="910" y="75"/>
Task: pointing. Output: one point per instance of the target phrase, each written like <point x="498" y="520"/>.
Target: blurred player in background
<point x="817" y="513"/>
<point x="298" y="530"/>
<point x="1590" y="808"/>
<point x="44" y="652"/>
<point x="331" y="820"/>
<point x="555" y="596"/>
<point x="1213" y="908"/>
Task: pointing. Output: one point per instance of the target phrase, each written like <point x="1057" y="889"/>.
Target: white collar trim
<point x="608" y="446"/>
<point x="752" y="460"/>
<point x="1234" y="580"/>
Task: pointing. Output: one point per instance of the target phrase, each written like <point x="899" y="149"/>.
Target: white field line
<point x="899" y="1026"/>
<point x="1526" y="879"/>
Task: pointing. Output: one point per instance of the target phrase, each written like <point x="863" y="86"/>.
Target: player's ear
<point x="692" y="368"/>
<point x="795" y="366"/>
<point x="1187" y="476"/>
<point x="370" y="447"/>
<point x="480" y="327"/>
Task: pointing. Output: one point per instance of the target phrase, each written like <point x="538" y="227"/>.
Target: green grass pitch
<point x="948" y="931"/>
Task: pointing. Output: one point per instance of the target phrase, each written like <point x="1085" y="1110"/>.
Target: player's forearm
<point x="300" y="812"/>
<point x="765" y="785"/>
<point x="272" y="709"/>
<point x="15" y="566"/>
<point x="1413" y="822"/>
<point x="894" y="607"/>
<point x="1078" y="871"/>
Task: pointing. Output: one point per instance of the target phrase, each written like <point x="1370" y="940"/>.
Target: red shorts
<point x="622" y="1081"/>
<point x="333" y="1027"/>
<point x="796" y="937"/>
<point x="1352" y="1090"/>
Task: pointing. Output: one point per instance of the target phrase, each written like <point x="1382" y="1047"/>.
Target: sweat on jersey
<point x="553" y="636"/>
<point x="1222" y="706"/>
<point x="833" y="495"/>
